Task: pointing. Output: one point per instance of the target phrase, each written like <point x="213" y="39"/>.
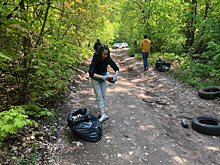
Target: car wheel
<point x="211" y="92"/>
<point x="206" y="125"/>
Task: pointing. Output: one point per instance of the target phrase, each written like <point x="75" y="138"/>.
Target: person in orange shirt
<point x="145" y="46"/>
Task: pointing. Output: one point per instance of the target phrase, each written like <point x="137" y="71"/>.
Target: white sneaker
<point x="104" y="117"/>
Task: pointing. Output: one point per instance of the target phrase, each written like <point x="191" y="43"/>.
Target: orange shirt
<point x="145" y="45"/>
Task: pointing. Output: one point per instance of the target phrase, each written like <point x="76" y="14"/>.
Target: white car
<point x="124" y="45"/>
<point x="117" y="45"/>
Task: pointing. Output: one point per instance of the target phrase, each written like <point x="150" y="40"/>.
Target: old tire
<point x="206" y="125"/>
<point x="211" y="92"/>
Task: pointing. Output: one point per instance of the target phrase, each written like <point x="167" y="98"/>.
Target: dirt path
<point x="139" y="132"/>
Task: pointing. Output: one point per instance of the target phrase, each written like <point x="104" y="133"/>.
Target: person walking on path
<point x="97" y="45"/>
<point x="99" y="77"/>
<point x="145" y="46"/>
<point x="135" y="44"/>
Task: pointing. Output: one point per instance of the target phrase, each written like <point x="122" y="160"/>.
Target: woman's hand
<point x="105" y="77"/>
<point x="114" y="78"/>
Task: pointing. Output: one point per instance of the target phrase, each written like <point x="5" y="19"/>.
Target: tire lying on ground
<point x="211" y="92"/>
<point x="206" y="125"/>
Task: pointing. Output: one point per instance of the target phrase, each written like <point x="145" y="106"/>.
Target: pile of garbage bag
<point x="85" y="125"/>
<point x="162" y="66"/>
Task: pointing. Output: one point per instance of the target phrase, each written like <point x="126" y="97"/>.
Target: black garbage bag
<point x="162" y="66"/>
<point x="85" y="125"/>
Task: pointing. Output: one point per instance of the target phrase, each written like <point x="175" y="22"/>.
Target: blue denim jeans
<point x="100" y="92"/>
<point x="145" y="61"/>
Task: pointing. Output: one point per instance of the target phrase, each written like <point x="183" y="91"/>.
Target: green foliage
<point x="36" y="110"/>
<point x="198" y="74"/>
<point x="4" y="56"/>
<point x="13" y="119"/>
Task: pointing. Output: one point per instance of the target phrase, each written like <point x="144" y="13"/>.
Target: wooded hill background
<point x="43" y="41"/>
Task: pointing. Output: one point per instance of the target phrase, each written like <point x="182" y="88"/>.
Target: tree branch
<point x="45" y="19"/>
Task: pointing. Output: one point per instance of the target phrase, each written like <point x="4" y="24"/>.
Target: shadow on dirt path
<point x="145" y="110"/>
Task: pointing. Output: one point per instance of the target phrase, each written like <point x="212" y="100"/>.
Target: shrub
<point x="13" y="119"/>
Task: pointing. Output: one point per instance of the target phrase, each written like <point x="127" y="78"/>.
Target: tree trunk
<point x="23" y="97"/>
<point x="191" y="25"/>
<point x="198" y="49"/>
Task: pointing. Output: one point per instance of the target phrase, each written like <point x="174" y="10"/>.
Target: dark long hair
<point x="101" y="50"/>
